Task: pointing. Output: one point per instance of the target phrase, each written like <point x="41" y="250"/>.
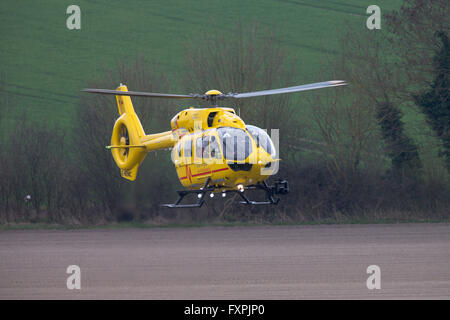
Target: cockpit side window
<point x="262" y="139"/>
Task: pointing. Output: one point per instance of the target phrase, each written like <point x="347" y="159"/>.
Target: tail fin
<point x="129" y="143"/>
<point x="126" y="147"/>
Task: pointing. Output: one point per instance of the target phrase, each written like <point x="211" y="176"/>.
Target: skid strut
<point x="200" y="194"/>
<point x="280" y="187"/>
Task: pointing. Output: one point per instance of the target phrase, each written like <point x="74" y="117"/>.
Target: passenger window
<point x="205" y="147"/>
<point x="214" y="147"/>
<point x="198" y="147"/>
<point x="202" y="147"/>
<point x="188" y="148"/>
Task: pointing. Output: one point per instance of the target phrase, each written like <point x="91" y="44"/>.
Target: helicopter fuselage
<point x="212" y="148"/>
<point x="215" y="144"/>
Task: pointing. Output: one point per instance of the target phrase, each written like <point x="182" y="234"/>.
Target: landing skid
<point x="280" y="187"/>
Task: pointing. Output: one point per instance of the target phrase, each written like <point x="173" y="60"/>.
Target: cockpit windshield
<point x="236" y="143"/>
<point x="262" y="139"/>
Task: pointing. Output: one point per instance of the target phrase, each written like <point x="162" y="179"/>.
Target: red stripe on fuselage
<point x="203" y="173"/>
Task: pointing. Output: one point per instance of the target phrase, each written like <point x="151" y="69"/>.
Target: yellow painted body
<point x="189" y="127"/>
<point x="193" y="168"/>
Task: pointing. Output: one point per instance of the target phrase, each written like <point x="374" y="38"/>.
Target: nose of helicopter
<point x="267" y="168"/>
<point x="260" y="171"/>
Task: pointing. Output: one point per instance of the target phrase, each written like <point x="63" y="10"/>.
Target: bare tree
<point x="419" y="32"/>
<point x="3" y="168"/>
<point x="349" y="133"/>
<point x="96" y="118"/>
<point x="413" y="39"/>
<point x="371" y="68"/>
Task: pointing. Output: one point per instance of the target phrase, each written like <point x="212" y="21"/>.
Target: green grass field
<point x="44" y="65"/>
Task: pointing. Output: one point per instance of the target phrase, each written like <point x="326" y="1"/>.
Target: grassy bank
<point x="165" y="224"/>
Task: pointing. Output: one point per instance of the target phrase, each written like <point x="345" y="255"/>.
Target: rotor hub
<point x="213" y="92"/>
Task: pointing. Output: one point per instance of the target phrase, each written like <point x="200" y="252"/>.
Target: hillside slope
<point x="44" y="65"/>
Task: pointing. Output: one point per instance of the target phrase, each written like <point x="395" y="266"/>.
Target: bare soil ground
<point x="283" y="262"/>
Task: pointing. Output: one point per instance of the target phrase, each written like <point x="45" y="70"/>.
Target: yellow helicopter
<point x="213" y="150"/>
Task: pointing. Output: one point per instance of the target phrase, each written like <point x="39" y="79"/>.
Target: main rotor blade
<point x="305" y="87"/>
<point x="142" y="94"/>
